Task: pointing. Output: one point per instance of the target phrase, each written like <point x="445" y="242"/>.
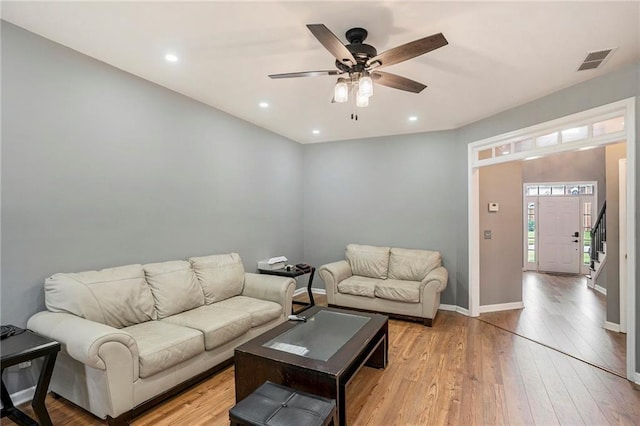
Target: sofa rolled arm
<point x="86" y="341"/>
<point x="333" y="273"/>
<point x="437" y="278"/>
<point x="270" y="287"/>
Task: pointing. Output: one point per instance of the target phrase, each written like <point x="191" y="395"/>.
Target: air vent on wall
<point x="594" y="59"/>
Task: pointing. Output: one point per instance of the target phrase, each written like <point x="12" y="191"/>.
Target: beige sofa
<point x="401" y="282"/>
<point x="134" y="335"/>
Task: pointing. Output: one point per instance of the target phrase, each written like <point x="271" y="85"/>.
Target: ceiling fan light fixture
<point x="341" y="91"/>
<point x="365" y="86"/>
<point x="362" y="100"/>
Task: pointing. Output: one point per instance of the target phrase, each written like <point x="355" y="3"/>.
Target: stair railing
<point x="598" y="235"/>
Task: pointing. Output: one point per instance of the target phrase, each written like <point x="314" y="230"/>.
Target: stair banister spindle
<point x="598" y="235"/>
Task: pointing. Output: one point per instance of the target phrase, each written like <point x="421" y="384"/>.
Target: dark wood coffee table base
<point x="253" y="368"/>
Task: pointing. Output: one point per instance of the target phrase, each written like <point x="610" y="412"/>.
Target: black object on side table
<point x="21" y="348"/>
<point x="295" y="272"/>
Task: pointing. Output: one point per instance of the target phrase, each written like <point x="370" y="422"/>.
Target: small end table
<point x="21" y="348"/>
<point x="294" y="273"/>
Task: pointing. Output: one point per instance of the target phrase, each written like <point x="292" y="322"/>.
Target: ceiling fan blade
<point x="332" y="43"/>
<point x="305" y="74"/>
<point x="397" y="82"/>
<point x="408" y="50"/>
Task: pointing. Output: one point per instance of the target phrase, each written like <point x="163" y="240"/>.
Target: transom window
<point x="559" y="189"/>
<point x="580" y="134"/>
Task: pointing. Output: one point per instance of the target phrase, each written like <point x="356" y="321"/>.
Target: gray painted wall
<point x="101" y="168"/>
<point x="395" y="191"/>
<point x="501" y="256"/>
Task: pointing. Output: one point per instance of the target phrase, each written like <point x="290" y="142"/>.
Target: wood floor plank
<point x="493" y="395"/>
<point x="516" y="399"/>
<point x="471" y="401"/>
<point x="539" y="403"/>
<point x="584" y="402"/>
<point x="563" y="406"/>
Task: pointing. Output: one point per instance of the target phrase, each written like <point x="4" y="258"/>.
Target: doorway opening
<point x="597" y="127"/>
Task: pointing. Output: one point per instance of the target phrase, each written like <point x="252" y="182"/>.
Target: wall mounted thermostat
<point x="494" y="207"/>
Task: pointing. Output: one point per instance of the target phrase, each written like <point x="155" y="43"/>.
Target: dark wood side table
<point x="26" y="347"/>
<point x="294" y="273"/>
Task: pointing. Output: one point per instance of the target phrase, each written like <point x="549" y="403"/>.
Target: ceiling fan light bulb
<point x="362" y="100"/>
<point x="365" y="86"/>
<point x="341" y="91"/>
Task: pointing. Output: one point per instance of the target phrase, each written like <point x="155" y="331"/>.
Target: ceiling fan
<point x="359" y="64"/>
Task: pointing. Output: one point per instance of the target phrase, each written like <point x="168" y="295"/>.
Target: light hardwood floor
<point x="562" y="312"/>
<point x="462" y="371"/>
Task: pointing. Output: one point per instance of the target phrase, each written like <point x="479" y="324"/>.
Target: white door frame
<point x="593" y="198"/>
<point x="622" y="183"/>
<point x="475" y="161"/>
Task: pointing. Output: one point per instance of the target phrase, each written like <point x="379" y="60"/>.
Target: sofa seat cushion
<point x="398" y="290"/>
<point x="174" y="286"/>
<point x="218" y="325"/>
<point x="412" y="265"/>
<point x="368" y="261"/>
<point x="163" y="345"/>
<point x="221" y="276"/>
<point x="262" y="311"/>
<point x="358" y="286"/>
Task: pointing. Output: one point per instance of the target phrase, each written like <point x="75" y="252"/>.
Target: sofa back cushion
<point x="174" y="286"/>
<point x="221" y="276"/>
<point x="368" y="261"/>
<point x="412" y="265"/>
<point x="118" y="297"/>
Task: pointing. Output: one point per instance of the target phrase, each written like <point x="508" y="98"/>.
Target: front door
<point x="559" y="234"/>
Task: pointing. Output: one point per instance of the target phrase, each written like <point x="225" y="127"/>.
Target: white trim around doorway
<point x="625" y="108"/>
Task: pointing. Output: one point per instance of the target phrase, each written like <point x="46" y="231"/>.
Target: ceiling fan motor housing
<point x="361" y="51"/>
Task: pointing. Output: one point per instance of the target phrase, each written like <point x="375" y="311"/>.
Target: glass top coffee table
<point x="319" y="356"/>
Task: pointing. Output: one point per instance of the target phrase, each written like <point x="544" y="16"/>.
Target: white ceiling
<point x="500" y="54"/>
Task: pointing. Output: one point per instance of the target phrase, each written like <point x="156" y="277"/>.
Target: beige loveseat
<point x="134" y="335"/>
<point x="402" y="282"/>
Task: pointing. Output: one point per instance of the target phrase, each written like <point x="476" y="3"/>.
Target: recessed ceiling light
<point x="413" y="118"/>
<point x="315" y="131"/>
<point x="171" y="57"/>
<point x="264" y="104"/>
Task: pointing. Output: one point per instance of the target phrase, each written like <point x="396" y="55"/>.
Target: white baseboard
<point x="303" y="290"/>
<point x="600" y="289"/>
<point x="25" y="395"/>
<point x="454" y="308"/>
<point x="501" y="307"/>
<point x="611" y="326"/>
<point x="637" y="378"/>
